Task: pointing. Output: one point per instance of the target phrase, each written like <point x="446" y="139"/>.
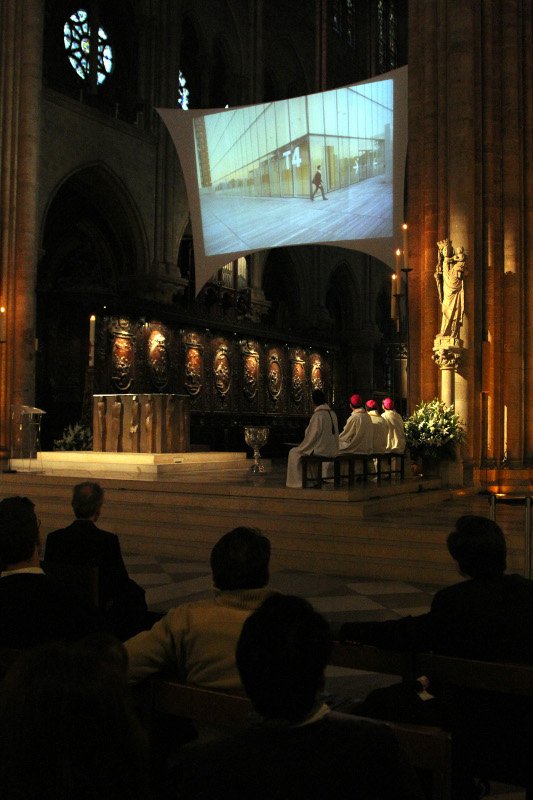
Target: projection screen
<point x="249" y="172"/>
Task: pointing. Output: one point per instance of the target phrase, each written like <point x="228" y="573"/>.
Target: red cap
<point x="388" y="403"/>
<point x="356" y="401"/>
<point x="371" y="405"/>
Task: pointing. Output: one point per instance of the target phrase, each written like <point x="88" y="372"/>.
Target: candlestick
<point x="405" y="243"/>
<point x="92" y="330"/>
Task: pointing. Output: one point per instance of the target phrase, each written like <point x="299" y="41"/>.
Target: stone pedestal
<point x="447" y="354"/>
<point x="141" y="423"/>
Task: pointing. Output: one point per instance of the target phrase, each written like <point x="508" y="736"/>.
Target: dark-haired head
<point x="87" y="499"/>
<point x="318" y="397"/>
<point x="282" y="653"/>
<point x="67" y="728"/>
<point x="19" y="531"/>
<point x="478" y="546"/>
<point x="240" y="560"/>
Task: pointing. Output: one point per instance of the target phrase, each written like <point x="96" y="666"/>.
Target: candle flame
<point x="405" y="226"/>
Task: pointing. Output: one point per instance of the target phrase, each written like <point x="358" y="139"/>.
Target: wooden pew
<point x="515" y="680"/>
<point x="426" y="748"/>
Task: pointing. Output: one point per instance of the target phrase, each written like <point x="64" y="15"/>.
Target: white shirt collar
<point x="21" y="571"/>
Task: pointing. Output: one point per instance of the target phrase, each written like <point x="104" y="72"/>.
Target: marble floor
<point x="169" y="581"/>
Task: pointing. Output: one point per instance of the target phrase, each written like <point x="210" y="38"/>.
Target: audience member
<point x="321" y="439"/>
<point x="380" y="428"/>
<point x="396" y="440"/>
<point x="299" y="749"/>
<point x="34" y="607"/>
<point x="197" y="640"/>
<point x="67" y="731"/>
<point x="82" y="542"/>
<point x="486" y="617"/>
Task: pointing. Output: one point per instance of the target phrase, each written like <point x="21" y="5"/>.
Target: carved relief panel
<point x="275" y="379"/>
<point x="194" y="363"/>
<point x="298" y="378"/>
<point x="317" y="371"/>
<point x="222" y="369"/>
<point x="250" y="369"/>
<point x="122" y="354"/>
<point x="158" y="358"/>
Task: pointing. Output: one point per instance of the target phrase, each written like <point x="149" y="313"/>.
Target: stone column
<point x="447" y="354"/>
<point x="21" y="31"/>
<point x="258" y="302"/>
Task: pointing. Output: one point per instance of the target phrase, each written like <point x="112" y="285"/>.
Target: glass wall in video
<point x="275" y="149"/>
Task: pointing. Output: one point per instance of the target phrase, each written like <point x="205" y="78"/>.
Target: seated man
<point x="34" y="607"/>
<point x="299" y="748"/>
<point x="321" y="439"/>
<point x="380" y="429"/>
<point x="357" y="434"/>
<point x="396" y="441"/>
<point x="121" y="599"/>
<point x="197" y="640"/>
<point x="487" y="617"/>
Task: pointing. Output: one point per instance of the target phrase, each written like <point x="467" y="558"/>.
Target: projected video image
<point x="314" y="168"/>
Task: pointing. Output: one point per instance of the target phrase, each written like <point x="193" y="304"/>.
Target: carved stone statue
<point x="148" y="423"/>
<point x="101" y="428"/>
<point x="449" y="277"/>
<point x="116" y="424"/>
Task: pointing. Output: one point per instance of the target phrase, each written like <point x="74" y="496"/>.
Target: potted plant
<point x="75" y="437"/>
<point x="432" y="432"/>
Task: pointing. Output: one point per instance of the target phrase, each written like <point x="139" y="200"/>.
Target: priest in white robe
<point x="380" y="429"/>
<point x="356" y="436"/>
<point x="396" y="443"/>
<point x="321" y="439"/>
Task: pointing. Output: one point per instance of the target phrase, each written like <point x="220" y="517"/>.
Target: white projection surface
<point x="249" y="172"/>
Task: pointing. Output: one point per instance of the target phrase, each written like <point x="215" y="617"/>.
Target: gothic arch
<point x="281" y="288"/>
<point x="343" y="299"/>
<point x="94" y="252"/>
<point x="91" y="209"/>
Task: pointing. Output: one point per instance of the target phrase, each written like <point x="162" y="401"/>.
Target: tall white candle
<point x="92" y="331"/>
<point x="405" y="244"/>
<point x="393" y="297"/>
<point x="3" y="324"/>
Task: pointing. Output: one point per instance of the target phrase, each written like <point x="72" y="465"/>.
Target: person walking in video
<point x="317" y="182"/>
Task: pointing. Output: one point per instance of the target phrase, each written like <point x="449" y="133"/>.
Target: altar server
<point x="321" y="439"/>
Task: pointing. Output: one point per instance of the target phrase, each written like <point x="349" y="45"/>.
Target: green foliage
<point x="75" y="437"/>
<point x="433" y="430"/>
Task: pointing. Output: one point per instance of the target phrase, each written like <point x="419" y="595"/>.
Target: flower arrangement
<point x="75" y="437"/>
<point x="433" y="430"/>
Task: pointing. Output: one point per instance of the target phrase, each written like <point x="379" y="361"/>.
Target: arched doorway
<point x="93" y="256"/>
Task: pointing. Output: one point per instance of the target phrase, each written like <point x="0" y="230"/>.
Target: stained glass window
<point x="387" y="35"/>
<point x="79" y="41"/>
<point x="183" y="92"/>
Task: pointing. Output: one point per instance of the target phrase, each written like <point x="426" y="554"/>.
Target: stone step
<point x="394" y="532"/>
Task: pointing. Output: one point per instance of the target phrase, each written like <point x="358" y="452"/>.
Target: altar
<point x="141" y="423"/>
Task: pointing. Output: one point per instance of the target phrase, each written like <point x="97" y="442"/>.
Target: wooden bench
<point x="425" y="748"/>
<point x="349" y="460"/>
<point x="315" y="481"/>
<point x="515" y="680"/>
